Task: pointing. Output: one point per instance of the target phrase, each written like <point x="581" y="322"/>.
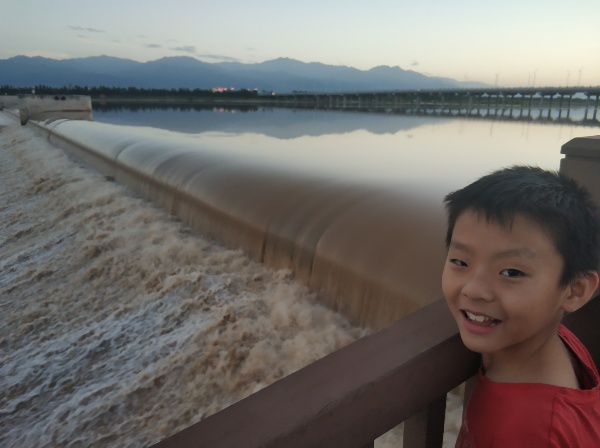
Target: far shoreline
<point x="177" y="101"/>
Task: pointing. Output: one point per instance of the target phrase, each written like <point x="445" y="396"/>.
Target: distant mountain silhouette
<point x="279" y="75"/>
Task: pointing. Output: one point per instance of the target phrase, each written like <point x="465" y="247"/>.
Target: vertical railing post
<point x="582" y="163"/>
<point x="425" y="429"/>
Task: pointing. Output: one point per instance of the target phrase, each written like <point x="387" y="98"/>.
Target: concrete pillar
<point x="587" y="105"/>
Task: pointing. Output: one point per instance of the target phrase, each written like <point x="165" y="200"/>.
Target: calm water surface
<point x="429" y="155"/>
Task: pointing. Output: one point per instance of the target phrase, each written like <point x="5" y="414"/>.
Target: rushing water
<point x="119" y="325"/>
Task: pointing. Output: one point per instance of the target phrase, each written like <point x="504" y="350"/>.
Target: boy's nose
<point x="478" y="287"/>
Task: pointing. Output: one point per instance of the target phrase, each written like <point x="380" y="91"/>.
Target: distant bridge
<point x="469" y="100"/>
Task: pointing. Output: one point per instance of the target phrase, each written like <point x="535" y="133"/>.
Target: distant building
<point x="222" y="89"/>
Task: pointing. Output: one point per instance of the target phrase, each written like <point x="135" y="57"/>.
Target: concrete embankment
<point x="366" y="251"/>
<point x="9" y="102"/>
<point x="44" y="107"/>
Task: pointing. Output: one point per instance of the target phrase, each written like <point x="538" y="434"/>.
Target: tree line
<point x="127" y="92"/>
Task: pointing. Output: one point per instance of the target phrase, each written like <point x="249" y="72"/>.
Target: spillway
<point x="365" y="250"/>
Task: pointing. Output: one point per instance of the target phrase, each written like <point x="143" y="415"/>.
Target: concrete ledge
<point x="49" y="107"/>
<point x="9" y="102"/>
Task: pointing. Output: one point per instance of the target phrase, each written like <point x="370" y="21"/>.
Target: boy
<point x="523" y="250"/>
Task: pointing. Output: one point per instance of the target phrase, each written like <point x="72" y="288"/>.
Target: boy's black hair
<point x="560" y="206"/>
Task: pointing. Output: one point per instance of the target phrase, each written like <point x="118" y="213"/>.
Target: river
<point x="434" y="153"/>
<point x="121" y="326"/>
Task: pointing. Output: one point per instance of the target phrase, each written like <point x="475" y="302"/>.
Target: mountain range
<point x="278" y="75"/>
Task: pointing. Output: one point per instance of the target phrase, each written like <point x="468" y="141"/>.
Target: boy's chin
<point x="473" y="345"/>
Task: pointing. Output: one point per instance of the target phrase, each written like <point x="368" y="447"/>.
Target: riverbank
<point x="167" y="101"/>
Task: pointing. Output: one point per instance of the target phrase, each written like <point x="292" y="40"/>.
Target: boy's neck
<point x="551" y="363"/>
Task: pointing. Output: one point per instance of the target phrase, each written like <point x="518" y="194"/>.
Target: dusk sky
<point x="509" y="42"/>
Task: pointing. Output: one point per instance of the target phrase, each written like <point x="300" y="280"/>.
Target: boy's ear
<point x="582" y="290"/>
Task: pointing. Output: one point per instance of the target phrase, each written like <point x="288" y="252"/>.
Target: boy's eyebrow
<point x="519" y="251"/>
<point x="460" y="246"/>
<point x="516" y="252"/>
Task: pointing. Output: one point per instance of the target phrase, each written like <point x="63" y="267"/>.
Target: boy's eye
<point x="457" y="262"/>
<point x="512" y="273"/>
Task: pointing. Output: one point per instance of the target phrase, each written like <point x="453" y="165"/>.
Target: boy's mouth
<point x="480" y="319"/>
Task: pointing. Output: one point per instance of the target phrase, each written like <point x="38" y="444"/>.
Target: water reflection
<point x="284" y="123"/>
<point x="426" y="155"/>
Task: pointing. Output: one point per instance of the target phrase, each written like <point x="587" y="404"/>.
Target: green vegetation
<point x="133" y="93"/>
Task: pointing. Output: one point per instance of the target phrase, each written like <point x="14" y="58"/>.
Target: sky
<point x="504" y="43"/>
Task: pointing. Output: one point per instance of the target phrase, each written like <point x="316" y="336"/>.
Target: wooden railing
<point x="354" y="395"/>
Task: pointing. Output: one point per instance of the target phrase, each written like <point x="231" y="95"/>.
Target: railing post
<point x="425" y="429"/>
<point x="469" y="386"/>
<point x="582" y="163"/>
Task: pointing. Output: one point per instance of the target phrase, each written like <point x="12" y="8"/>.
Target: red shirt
<point x="532" y="415"/>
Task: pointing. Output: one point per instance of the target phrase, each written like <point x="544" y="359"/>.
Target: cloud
<point x="89" y="30"/>
<point x="153" y="46"/>
<point x="185" y="48"/>
<point x="414" y="63"/>
<point x="219" y="57"/>
<point x="192" y="50"/>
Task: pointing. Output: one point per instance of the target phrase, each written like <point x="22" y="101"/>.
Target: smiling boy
<point x="523" y="250"/>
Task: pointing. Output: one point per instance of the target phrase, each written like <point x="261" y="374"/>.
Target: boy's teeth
<point x="480" y="319"/>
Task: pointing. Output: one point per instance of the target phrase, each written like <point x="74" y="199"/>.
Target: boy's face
<point x="502" y="284"/>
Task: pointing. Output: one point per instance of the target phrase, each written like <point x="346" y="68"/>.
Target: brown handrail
<point x="356" y="394"/>
<point x="352" y="396"/>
